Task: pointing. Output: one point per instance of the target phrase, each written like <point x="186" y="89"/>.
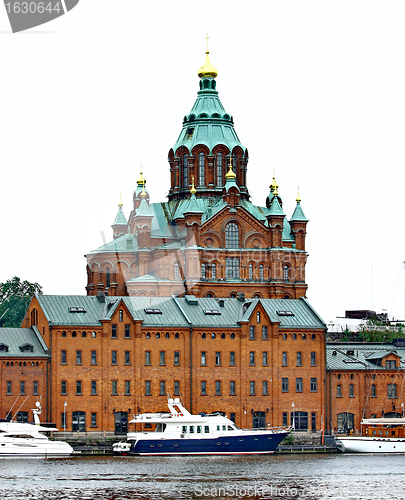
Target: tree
<point x="15" y="296"/>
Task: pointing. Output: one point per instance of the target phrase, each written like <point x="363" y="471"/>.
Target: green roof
<point x="120" y="219"/>
<point x="298" y="214"/>
<point x="365" y="355"/>
<point x="16" y="338"/>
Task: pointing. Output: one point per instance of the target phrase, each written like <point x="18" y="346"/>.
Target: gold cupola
<point x="208" y="70"/>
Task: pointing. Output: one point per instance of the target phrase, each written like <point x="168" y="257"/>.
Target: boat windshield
<point x="160" y="427"/>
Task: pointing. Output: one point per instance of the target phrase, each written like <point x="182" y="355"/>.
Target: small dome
<point x="208" y="70"/>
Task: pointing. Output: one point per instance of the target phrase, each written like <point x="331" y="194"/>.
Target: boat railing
<point x="273" y="429"/>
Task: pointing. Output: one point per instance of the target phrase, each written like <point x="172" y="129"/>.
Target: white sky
<point x="316" y="89"/>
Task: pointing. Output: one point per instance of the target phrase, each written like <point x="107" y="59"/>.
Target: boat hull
<point x="363" y="444"/>
<point x="224" y="445"/>
<point x="48" y="449"/>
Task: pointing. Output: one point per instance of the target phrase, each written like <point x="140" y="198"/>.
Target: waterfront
<point x="333" y="476"/>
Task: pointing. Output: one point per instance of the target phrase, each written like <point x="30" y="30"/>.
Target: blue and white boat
<point x="178" y="432"/>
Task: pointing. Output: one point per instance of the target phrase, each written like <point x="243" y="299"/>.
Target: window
<point x="147" y="358"/>
<point x="127" y="358"/>
<point x="9" y="387"/>
<point x="284" y="359"/>
<point x="373" y="391"/>
<point x="78" y="387"/>
<point x="176" y="358"/>
<point x="232" y="268"/>
<point x="176" y="271"/>
<point x="252" y="358"/>
<point x="93" y="387"/>
<point x="285" y="418"/>
<point x="252" y="388"/>
<point x="185" y="171"/>
<point x="114" y="387"/>
<point x="120" y="315"/>
<point x="265" y="388"/>
<point x="251" y="332"/>
<point x="232" y="235"/>
<point x="78" y="357"/>
<point x="299" y="358"/>
<point x="148" y="388"/>
<point x="94" y="420"/>
<point x="162" y="388"/>
<point x="284" y="384"/>
<point x="258" y="317"/>
<point x="264" y="333"/>
<point x="261" y="272"/>
<point x="265" y="358"/>
<point x="127" y="388"/>
<point x="203" y="270"/>
<point x="114" y="331"/>
<point x="63" y="357"/>
<point x="217" y="358"/>
<point x="93" y="357"/>
<point x="232" y="358"/>
<point x="299" y="386"/>
<point x="63" y="420"/>
<point x="313" y="358"/>
<point x="219" y="169"/>
<point x="390" y="364"/>
<point x="213" y="271"/>
<point x="35" y="388"/>
<point x="250" y="271"/>
<point x="162" y="358"/>
<point x="392" y="390"/>
<point x="351" y="391"/>
<point x="345" y="421"/>
<point x="203" y="387"/>
<point x="84" y="334"/>
<point x="22" y="388"/>
<point x="313" y="422"/>
<point x="217" y="388"/>
<point x="63" y="387"/>
<point x="314" y="384"/>
<point x="285" y="272"/>
<point x="108" y="281"/>
<point x="201" y="168"/>
<point x="339" y="391"/>
<point x="232" y="388"/>
<point x="127" y="333"/>
<point x="203" y="358"/>
<point x="114" y="357"/>
<point x="176" y="391"/>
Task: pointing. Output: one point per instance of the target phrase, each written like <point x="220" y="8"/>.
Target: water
<point x="281" y="477"/>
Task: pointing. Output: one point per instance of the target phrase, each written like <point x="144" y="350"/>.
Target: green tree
<point x="15" y="296"/>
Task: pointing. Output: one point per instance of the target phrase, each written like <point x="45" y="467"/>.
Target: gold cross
<point x="206" y="38"/>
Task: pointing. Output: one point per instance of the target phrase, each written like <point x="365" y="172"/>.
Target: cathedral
<point x="208" y="239"/>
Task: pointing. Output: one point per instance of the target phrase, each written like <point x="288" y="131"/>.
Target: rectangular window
<point x="373" y="391"/>
<point x="299" y="358"/>
<point x="162" y="388"/>
<point x="284" y="359"/>
<point x="265" y="358"/>
<point x="284" y="384"/>
<point x="217" y="358"/>
<point x="127" y="334"/>
<point x="252" y="388"/>
<point x="390" y="364"/>
<point x="147" y="358"/>
<point x="127" y="388"/>
<point x="114" y="357"/>
<point x="22" y="388"/>
<point x="299" y="385"/>
<point x="127" y="357"/>
<point x="252" y="358"/>
<point x="9" y="387"/>
<point x="114" y="387"/>
<point x="264" y="333"/>
<point x="93" y="357"/>
<point x="63" y="357"/>
<point x="232" y="268"/>
<point x="285" y="418"/>
<point x="392" y="390"/>
<point x="339" y="391"/>
<point x="176" y="391"/>
<point x="232" y="388"/>
<point x="217" y="388"/>
<point x="114" y="331"/>
<point x="148" y="388"/>
<point x="35" y="388"/>
<point x="176" y="358"/>
<point x="79" y="387"/>
<point x="351" y="391"/>
<point x="63" y="387"/>
<point x="162" y="358"/>
<point x="313" y="422"/>
<point x="265" y="391"/>
<point x="63" y="420"/>
<point x="314" y="384"/>
<point x="203" y="358"/>
<point x="203" y="387"/>
<point x="313" y="358"/>
<point x="232" y="358"/>
<point x="93" y="387"/>
<point x="78" y="357"/>
<point x="94" y="420"/>
<point x="251" y="332"/>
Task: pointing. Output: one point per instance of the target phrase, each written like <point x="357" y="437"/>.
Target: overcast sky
<point x="317" y="92"/>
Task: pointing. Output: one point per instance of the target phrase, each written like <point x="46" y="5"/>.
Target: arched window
<point x="176" y="271"/>
<point x="234" y="164"/>
<point x="219" y="169"/>
<point x="261" y="272"/>
<point x="185" y="171"/>
<point x="108" y="277"/>
<point x="213" y="271"/>
<point x="201" y="168"/>
<point x="285" y="272"/>
<point x="250" y="271"/>
<point x="258" y="317"/>
<point x="232" y="235"/>
<point x="203" y="270"/>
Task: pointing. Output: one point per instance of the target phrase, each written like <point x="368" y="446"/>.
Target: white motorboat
<point x="178" y="432"/>
<point x="24" y="439"/>
<point x="378" y="435"/>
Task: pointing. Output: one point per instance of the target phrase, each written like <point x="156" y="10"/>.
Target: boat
<point x="178" y="432"/>
<point x="378" y="435"/>
<point x="24" y="439"/>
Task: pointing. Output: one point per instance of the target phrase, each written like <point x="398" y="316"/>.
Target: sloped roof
<point x="14" y="338"/>
<point x="365" y="355"/>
